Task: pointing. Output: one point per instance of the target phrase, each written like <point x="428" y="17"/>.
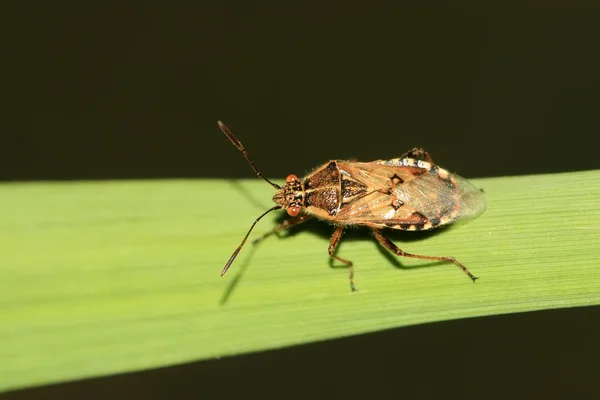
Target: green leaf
<point x="105" y="277"/>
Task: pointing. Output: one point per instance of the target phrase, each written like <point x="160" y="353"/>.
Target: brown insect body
<point x="403" y="193"/>
<point x="407" y="193"/>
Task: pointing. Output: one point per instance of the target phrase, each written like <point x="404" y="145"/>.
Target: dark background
<point x="96" y="92"/>
<point x="111" y="91"/>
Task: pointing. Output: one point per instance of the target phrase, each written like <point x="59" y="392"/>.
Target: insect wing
<point x="425" y="196"/>
<point x="436" y="196"/>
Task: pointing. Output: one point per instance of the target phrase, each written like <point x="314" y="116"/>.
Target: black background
<point x="114" y="91"/>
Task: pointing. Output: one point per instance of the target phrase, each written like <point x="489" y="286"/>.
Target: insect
<point x="409" y="193"/>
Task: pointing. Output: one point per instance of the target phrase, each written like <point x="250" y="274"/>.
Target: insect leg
<point x="387" y="243"/>
<point x="335" y="239"/>
<point x="284" y="225"/>
<point x="418" y="154"/>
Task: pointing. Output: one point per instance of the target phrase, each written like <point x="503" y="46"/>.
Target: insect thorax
<point x="322" y="189"/>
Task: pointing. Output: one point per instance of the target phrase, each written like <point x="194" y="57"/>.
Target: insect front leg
<point x="335" y="239"/>
<point x="418" y="154"/>
<point x="387" y="243"/>
<point x="284" y="225"/>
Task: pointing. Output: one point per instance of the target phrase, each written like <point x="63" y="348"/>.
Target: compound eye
<point x="291" y="178"/>
<point x="293" y="211"/>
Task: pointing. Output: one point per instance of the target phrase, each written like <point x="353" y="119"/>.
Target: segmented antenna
<point x="236" y="252"/>
<point x="241" y="148"/>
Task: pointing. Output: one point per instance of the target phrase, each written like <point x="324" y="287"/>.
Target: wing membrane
<point x="428" y="195"/>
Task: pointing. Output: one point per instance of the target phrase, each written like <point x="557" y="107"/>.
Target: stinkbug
<point x="408" y="193"/>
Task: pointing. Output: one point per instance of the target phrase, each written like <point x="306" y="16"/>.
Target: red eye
<point x="291" y="178"/>
<point x="293" y="211"/>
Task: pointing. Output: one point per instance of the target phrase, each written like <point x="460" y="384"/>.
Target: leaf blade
<point x="105" y="277"/>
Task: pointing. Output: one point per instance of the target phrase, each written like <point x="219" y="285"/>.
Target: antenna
<point x="241" y="148"/>
<point x="236" y="252"/>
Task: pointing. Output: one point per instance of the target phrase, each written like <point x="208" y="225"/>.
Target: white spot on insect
<point x="390" y="214"/>
<point x="408" y="162"/>
<point x="444" y="220"/>
<point x="424" y="165"/>
<point x="443" y="174"/>
<point x="412" y="228"/>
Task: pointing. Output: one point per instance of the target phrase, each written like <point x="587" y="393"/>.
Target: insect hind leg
<point x="387" y="243"/>
<point x="418" y="154"/>
<point x="288" y="223"/>
<point x="335" y="239"/>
